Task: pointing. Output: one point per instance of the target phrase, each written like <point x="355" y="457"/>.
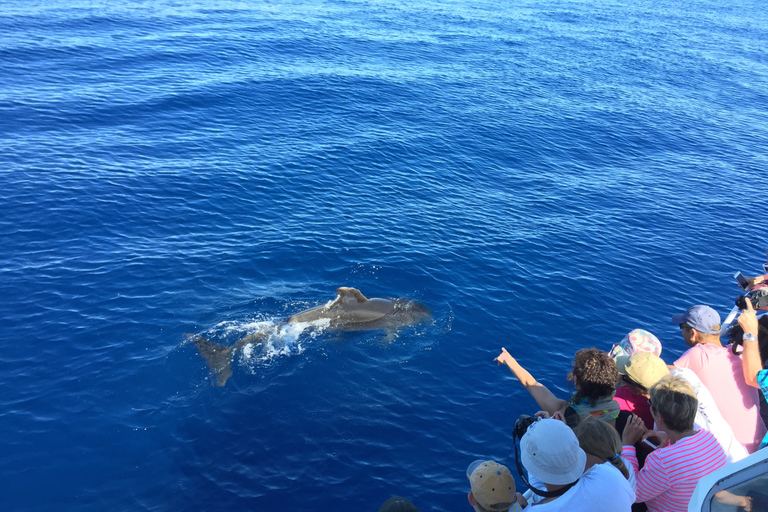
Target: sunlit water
<point x="544" y="176"/>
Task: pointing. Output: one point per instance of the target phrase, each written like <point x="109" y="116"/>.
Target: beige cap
<point x="492" y="485"/>
<point x="645" y="368"/>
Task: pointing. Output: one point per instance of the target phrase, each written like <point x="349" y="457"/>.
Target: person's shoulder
<point x="607" y="482"/>
<point x="709" y="447"/>
<point x="703" y="442"/>
<point x="704" y="436"/>
<point x="718" y="354"/>
<point x="603" y="474"/>
<point x="711" y="348"/>
<point x="686" y="374"/>
<point x="704" y="353"/>
<point x="608" y="470"/>
<point x="695" y="353"/>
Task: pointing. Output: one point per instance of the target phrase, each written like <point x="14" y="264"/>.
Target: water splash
<point x="274" y="340"/>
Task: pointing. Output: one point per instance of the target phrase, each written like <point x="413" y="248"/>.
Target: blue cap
<point x="702" y="318"/>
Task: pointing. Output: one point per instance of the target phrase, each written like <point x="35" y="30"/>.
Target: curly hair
<point x="594" y="374"/>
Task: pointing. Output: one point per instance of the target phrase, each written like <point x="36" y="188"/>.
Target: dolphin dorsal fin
<point x="347" y="293"/>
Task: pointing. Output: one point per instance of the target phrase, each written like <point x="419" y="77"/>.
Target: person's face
<point x="687" y="332"/>
<point x="656" y="416"/>
<point x="634" y="388"/>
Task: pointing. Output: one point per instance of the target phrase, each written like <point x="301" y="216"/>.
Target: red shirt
<point x="628" y="401"/>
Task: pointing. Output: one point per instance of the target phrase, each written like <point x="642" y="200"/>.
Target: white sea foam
<point x="280" y="340"/>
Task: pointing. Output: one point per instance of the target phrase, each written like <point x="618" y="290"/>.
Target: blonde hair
<point x="675" y="401"/>
<point x="600" y="439"/>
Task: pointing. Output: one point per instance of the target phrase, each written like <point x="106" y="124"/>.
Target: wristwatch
<point x="748" y="336"/>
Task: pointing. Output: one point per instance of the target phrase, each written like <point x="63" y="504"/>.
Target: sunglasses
<point x="631" y="382"/>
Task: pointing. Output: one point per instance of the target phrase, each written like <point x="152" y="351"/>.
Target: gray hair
<point x="675" y="401"/>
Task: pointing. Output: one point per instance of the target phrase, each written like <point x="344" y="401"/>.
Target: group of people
<point x="638" y="434"/>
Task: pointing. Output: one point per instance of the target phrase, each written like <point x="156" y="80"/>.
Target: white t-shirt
<point x="602" y="488"/>
<point x="532" y="497"/>
<point x="708" y="417"/>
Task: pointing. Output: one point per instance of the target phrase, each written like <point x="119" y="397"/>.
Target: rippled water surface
<point x="544" y="176"/>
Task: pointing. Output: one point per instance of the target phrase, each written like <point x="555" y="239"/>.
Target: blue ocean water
<point x="545" y="176"/>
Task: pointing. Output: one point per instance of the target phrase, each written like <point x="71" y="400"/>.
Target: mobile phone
<point x="649" y="443"/>
<point x="743" y="284"/>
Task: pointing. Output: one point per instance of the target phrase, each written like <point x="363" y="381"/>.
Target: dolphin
<point x="349" y="311"/>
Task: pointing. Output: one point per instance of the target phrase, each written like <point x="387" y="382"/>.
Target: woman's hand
<point x="633" y="431"/>
<point x="504" y="357"/>
<point x="727" y="498"/>
<point x="558" y="415"/>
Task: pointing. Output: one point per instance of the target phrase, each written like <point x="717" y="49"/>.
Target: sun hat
<point x="637" y="340"/>
<point x="644" y="368"/>
<point x="492" y="484"/>
<point x="398" y="504"/>
<point x="550" y="451"/>
<point x="702" y="318"/>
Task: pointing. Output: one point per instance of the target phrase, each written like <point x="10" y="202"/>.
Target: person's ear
<point x="695" y="336"/>
<point x="658" y="419"/>
<point x="471" y="499"/>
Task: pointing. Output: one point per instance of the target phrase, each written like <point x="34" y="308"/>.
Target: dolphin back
<point x="350" y="306"/>
<point x="349" y="311"/>
<point x="352" y="311"/>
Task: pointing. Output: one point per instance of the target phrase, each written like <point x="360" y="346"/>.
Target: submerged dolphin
<point x="349" y="311"/>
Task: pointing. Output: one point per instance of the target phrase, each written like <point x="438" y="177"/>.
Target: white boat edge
<point x="727" y="477"/>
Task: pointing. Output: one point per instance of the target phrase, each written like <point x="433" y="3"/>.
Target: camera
<point x="522" y="424"/>
<point x="758" y="298"/>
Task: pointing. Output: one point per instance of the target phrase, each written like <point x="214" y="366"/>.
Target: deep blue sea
<point x="543" y="175"/>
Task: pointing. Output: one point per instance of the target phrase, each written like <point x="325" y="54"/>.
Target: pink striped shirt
<point x="670" y="474"/>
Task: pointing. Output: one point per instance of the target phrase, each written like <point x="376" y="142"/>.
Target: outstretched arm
<point x="750" y="358"/>
<point x="543" y="396"/>
<point x="727" y="498"/>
